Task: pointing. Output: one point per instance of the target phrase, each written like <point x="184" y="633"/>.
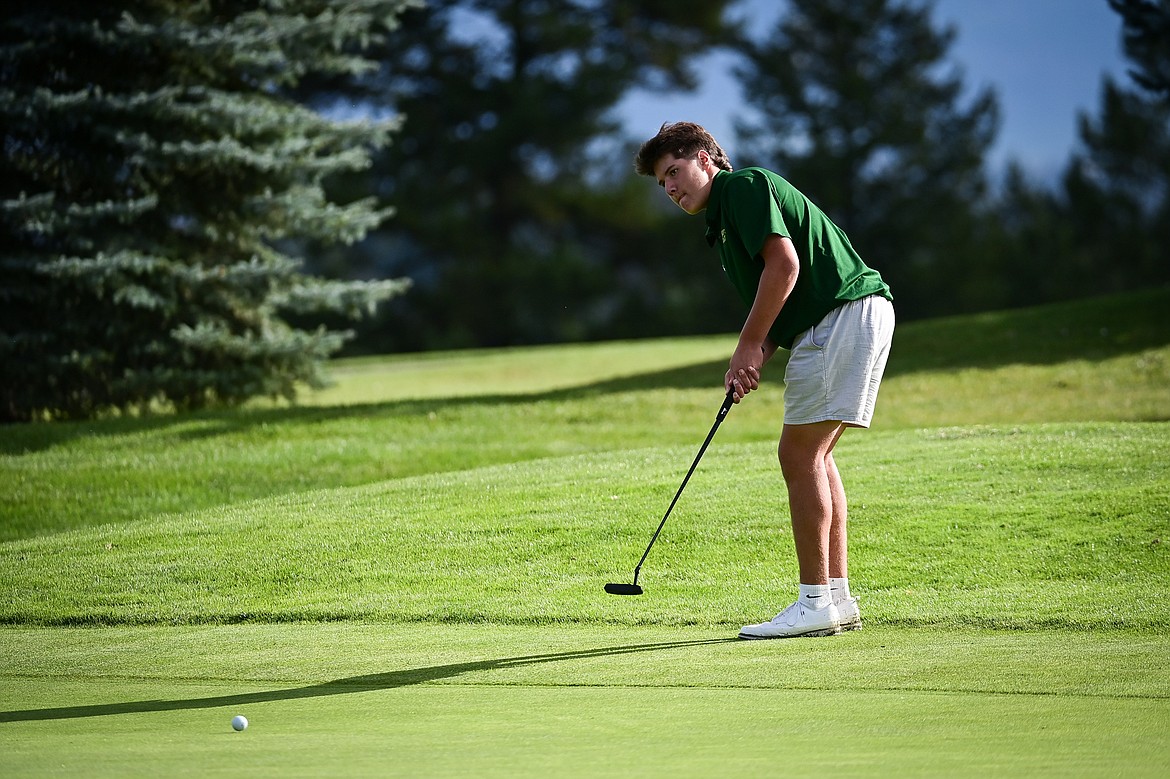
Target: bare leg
<point x="806" y="462"/>
<point x="838" y="532"/>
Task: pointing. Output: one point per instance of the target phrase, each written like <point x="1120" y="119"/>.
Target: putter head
<point x="623" y="589"/>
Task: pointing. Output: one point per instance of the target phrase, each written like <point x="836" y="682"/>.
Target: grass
<point x="1106" y="360"/>
<point x="1041" y="515"/>
<point x="373" y="700"/>
<point x="410" y="564"/>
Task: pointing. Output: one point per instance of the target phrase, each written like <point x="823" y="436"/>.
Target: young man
<point x="808" y="292"/>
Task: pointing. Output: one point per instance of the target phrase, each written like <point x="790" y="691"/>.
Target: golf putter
<point x="634" y="589"/>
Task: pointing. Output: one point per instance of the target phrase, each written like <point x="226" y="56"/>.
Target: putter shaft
<point x="723" y="409"/>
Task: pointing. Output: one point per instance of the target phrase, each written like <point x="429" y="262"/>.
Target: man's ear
<point x="703" y="158"/>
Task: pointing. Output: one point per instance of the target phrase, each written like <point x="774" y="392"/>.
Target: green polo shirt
<point x="746" y="207"/>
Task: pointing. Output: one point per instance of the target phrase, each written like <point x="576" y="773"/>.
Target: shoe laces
<point x="783" y="615"/>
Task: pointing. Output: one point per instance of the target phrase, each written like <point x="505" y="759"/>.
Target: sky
<point x="1044" y="58"/>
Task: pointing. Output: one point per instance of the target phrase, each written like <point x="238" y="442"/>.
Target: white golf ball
<point x="239" y="722"/>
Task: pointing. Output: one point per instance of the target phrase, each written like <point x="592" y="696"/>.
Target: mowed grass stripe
<point x="1008" y="528"/>
<point x="412" y="700"/>
<point x="603" y="731"/>
<point x="404" y="415"/>
<point x="326" y="660"/>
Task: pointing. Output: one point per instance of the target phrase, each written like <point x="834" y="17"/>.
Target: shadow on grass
<point x="1093" y="329"/>
<point x="30" y="438"/>
<point x="369" y="683"/>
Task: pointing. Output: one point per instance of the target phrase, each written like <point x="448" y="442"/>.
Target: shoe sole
<point x="855" y="625"/>
<point x="810" y="634"/>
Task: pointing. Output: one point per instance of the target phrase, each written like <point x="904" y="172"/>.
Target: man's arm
<point x="781" y="268"/>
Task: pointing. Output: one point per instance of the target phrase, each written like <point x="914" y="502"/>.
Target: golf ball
<point x="239" y="722"/>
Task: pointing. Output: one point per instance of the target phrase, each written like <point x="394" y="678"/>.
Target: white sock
<point x="840" y="589"/>
<point x="815" y="596"/>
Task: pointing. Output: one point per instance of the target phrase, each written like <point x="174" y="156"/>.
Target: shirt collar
<point x="713" y="220"/>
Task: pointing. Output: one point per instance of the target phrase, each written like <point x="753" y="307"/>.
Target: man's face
<point x="686" y="181"/>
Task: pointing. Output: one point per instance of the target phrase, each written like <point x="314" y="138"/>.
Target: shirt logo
<point x="723" y="235"/>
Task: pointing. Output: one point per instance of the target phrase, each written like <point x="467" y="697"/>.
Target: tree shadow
<point x="354" y="684"/>
<point x="30" y="438"/>
<point x="1095" y="329"/>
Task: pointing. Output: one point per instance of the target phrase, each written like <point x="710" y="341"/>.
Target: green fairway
<point x="1009" y="528"/>
<point x="376" y="699"/>
<point x="404" y="575"/>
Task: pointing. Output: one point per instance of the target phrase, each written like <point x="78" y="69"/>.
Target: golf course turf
<point x="403" y="575"/>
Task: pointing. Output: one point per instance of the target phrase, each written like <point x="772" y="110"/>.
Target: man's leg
<point x="847" y="609"/>
<point x="806" y="460"/>
<point x="814" y="494"/>
<point x="838" y="531"/>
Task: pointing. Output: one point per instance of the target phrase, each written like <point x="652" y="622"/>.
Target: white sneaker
<point x="797" y="620"/>
<point x="849" y="613"/>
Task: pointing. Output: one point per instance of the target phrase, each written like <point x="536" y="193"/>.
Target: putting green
<point x="486" y="700"/>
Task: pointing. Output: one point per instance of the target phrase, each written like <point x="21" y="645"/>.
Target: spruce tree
<point x="154" y="176"/>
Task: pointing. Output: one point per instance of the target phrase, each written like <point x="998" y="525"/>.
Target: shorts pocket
<point x="819" y="334"/>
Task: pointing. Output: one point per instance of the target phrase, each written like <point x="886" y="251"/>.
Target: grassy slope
<point x="515" y="507"/>
<point x="1104" y="360"/>
<point x="954" y="526"/>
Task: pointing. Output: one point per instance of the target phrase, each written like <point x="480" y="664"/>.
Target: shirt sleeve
<point x="754" y="212"/>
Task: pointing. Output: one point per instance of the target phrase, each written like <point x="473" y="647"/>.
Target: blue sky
<point x="1044" y="58"/>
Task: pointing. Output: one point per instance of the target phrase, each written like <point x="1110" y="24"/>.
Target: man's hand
<point x="744" y="371"/>
<point x="781" y="268"/>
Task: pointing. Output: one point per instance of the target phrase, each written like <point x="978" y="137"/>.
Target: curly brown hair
<point x="682" y="139"/>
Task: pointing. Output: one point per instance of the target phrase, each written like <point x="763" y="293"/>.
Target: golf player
<point x="808" y="292"/>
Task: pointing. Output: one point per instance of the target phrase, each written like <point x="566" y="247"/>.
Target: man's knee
<point x="797" y="457"/>
<point x="807" y="448"/>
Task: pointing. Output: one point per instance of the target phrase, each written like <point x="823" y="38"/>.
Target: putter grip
<point x="728" y="402"/>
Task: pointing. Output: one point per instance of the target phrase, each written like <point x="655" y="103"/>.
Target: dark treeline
<point x="514" y="212"/>
<point x="201" y="202"/>
<point x="519" y="219"/>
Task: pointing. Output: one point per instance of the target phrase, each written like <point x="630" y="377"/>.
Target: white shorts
<point x="835" y="368"/>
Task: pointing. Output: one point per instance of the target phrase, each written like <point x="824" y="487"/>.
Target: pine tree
<point x="1146" y="39"/>
<point x="154" y="174"/>
<point x="1117" y="185"/>
<point x="1105" y="227"/>
<point x="857" y="105"/>
<point x="505" y="101"/>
